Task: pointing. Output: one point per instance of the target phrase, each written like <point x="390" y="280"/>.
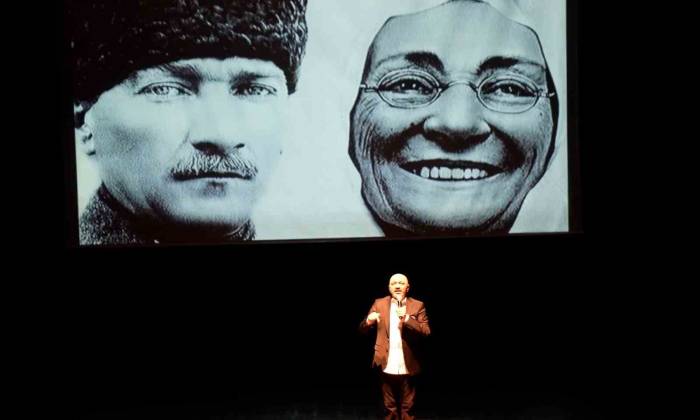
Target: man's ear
<point x="83" y="130"/>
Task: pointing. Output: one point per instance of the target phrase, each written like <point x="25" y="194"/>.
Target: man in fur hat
<point x="181" y="104"/>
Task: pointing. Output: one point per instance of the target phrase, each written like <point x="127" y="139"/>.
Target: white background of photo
<point x="315" y="190"/>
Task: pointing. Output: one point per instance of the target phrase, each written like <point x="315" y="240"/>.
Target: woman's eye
<point x="508" y="88"/>
<point x="164" y="91"/>
<point x="408" y="86"/>
<point x="254" y="90"/>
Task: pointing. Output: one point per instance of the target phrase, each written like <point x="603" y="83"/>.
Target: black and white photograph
<point x="216" y="122"/>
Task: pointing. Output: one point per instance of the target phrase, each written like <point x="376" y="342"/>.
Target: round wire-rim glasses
<point x="506" y="93"/>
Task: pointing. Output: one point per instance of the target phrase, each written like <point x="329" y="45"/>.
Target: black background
<point x="235" y="328"/>
<point x="520" y="323"/>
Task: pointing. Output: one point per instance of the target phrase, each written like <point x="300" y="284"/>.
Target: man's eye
<point x="164" y="91"/>
<point x="254" y="90"/>
<point x="508" y="87"/>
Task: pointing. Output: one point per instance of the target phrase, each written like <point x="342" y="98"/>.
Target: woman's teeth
<point x="446" y="173"/>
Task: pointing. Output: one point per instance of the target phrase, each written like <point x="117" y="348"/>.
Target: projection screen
<point x="218" y="121"/>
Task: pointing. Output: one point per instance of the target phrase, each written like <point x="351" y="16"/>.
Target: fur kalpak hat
<point x="110" y="39"/>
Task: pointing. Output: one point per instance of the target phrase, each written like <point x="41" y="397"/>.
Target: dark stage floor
<point x="432" y="407"/>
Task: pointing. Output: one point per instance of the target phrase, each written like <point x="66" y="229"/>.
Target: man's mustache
<point x="214" y="165"/>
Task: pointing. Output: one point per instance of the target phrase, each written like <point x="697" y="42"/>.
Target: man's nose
<point x="457" y="119"/>
<point x="214" y="125"/>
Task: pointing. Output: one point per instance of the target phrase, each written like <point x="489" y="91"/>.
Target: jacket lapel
<point x="384" y="311"/>
<point x="410" y="306"/>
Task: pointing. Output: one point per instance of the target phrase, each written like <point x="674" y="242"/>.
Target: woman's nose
<point x="457" y="118"/>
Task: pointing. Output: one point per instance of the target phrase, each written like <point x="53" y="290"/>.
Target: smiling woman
<point x="483" y="119"/>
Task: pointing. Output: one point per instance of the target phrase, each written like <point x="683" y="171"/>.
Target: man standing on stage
<point x="400" y="322"/>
